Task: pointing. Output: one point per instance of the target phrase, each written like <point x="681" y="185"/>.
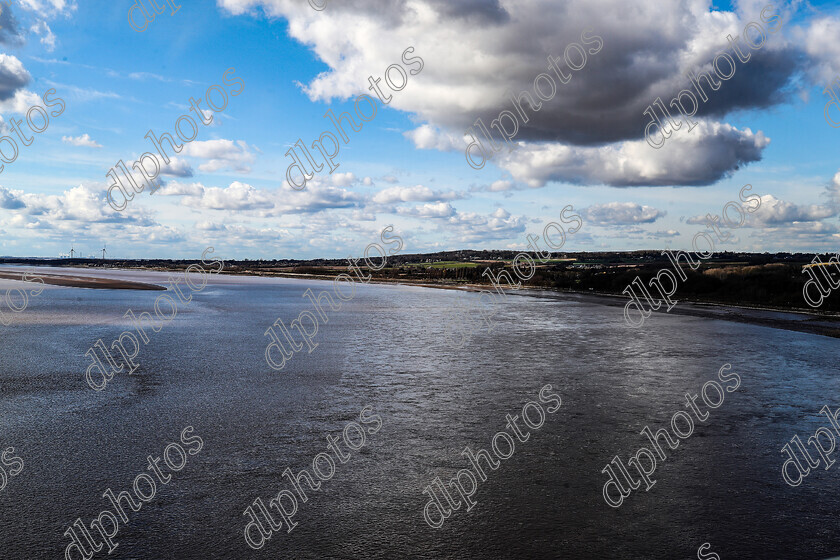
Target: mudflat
<point x="85" y="281"/>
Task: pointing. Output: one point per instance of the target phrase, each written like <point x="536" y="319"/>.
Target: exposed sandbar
<point x="83" y="281"/>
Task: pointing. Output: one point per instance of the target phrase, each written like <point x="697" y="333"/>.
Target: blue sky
<point x="406" y="167"/>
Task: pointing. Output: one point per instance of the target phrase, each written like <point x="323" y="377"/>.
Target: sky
<point x="586" y="146"/>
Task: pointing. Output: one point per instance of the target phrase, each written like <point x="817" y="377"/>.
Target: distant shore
<point x="799" y="320"/>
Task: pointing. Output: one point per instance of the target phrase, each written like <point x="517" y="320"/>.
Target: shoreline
<point x="799" y="320"/>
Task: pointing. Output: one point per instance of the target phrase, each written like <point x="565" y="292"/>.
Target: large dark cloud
<point x="478" y="11"/>
<point x="472" y="67"/>
<point x="13" y="76"/>
<point x="763" y="81"/>
<point x="9" y="31"/>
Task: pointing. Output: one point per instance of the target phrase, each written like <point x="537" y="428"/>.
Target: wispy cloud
<point x="147" y="76"/>
<point x="83" y="94"/>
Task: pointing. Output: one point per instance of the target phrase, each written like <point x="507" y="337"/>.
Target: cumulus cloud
<point x="82" y="141"/>
<point x="48" y="8"/>
<point x="83" y="203"/>
<point x="475" y="66"/>
<point x="438" y="210"/>
<point x="236" y="196"/>
<point x="319" y="196"/>
<point x="803" y="236"/>
<point x="665" y="234"/>
<point x="342" y="179"/>
<point x="427" y="137"/>
<point x="832" y="191"/>
<point x="776" y="212"/>
<point x="47" y="36"/>
<point x="176" y="188"/>
<point x="20" y="103"/>
<point x="10" y="34"/>
<point x="467" y="227"/>
<point x="821" y="39"/>
<point x="417" y="193"/>
<point x="209" y="226"/>
<point x="221" y="154"/>
<point x="39" y="12"/>
<point x="471" y="227"/>
<point x="707" y="154"/>
<point x="176" y="168"/>
<point x="83" y="214"/>
<point x="477" y="52"/>
<point x="10" y="200"/>
<point x="243" y="236"/>
<point x="13" y="77"/>
<point x="620" y="213"/>
<point x="501" y="185"/>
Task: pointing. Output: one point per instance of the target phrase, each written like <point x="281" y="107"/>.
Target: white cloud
<point x="21" y="102"/>
<point x="438" y="210"/>
<point x="142" y="76"/>
<point x="417" y="193"/>
<point x="832" y="191"/>
<point x="317" y="197"/>
<point x="776" y="212"/>
<point x="84" y="203"/>
<point x="705" y="155"/>
<point x="471" y="227"/>
<point x="821" y="38"/>
<point x="342" y="179"/>
<point x="666" y="234"/>
<point x="175" y="188"/>
<point x="47" y="36"/>
<point x="467" y="227"/>
<point x="620" y="213"/>
<point x="11" y="200"/>
<point x="221" y="154"/>
<point x="48" y="8"/>
<point x="236" y="196"/>
<point x="427" y="137"/>
<point x="82" y="141"/>
<point x="176" y="167"/>
<point x="241" y="197"/>
<point x="501" y="185"/>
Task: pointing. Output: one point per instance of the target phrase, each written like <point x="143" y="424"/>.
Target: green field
<point x="453" y="264"/>
<point x="445" y="264"/>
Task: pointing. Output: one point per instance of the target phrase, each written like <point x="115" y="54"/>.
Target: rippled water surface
<point x="386" y="349"/>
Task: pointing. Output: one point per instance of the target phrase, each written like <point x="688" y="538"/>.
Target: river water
<point x="385" y="348"/>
